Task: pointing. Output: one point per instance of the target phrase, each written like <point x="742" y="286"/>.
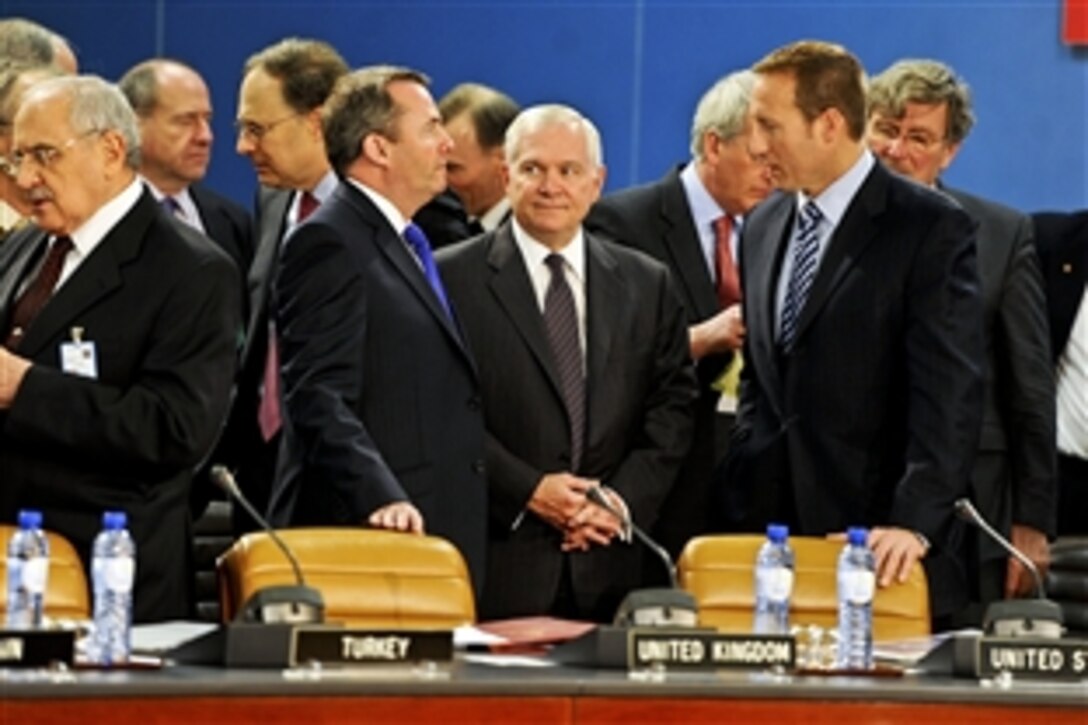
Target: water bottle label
<point x="857" y="587"/>
<point x="119" y="574"/>
<point x="776" y="584"/>
<point x="35" y="574"/>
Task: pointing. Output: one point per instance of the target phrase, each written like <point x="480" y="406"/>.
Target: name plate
<point x="1037" y="658"/>
<point x="36" y="647"/>
<point x="356" y="647"/>
<point x="709" y="651"/>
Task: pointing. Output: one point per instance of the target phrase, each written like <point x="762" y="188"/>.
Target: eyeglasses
<point x="43" y="155"/>
<point x="915" y="140"/>
<point x="257" y="131"/>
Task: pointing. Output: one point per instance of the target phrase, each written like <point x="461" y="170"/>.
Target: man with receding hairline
<point x="861" y="392"/>
<point x="115" y="367"/>
<point x="382" y="421"/>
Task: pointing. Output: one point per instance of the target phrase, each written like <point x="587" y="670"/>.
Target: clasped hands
<point x="560" y="499"/>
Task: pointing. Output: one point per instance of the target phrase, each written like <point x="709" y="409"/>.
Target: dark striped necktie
<point x="806" y="247"/>
<point x="561" y="323"/>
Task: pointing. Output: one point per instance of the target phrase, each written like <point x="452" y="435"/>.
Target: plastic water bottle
<point x="113" y="569"/>
<point x="774" y="582"/>
<point x="856" y="585"/>
<point x="28" y="572"/>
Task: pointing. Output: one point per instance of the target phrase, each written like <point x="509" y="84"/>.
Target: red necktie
<point x="269" y="416"/>
<point x="728" y="279"/>
<point x="37" y="292"/>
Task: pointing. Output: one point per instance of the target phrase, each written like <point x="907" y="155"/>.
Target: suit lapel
<point x="605" y="310"/>
<point x="855" y="232"/>
<point x="272" y="225"/>
<point x="513" y="289"/>
<point x="683" y="245"/>
<point x="25" y="250"/>
<point x="97" y="276"/>
<point x="761" y="259"/>
<point x="398" y="254"/>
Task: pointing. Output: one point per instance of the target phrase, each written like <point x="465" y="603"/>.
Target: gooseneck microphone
<point x="966" y="511"/>
<point x="1038" y="617"/>
<point x="596" y="495"/>
<point x="671" y="607"/>
<point x="295" y="604"/>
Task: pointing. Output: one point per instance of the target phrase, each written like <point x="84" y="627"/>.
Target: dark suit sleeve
<point x="944" y="353"/>
<point x="663" y="432"/>
<point x="1028" y="386"/>
<point x="169" y="416"/>
<point x="606" y="220"/>
<point x="511" y="482"/>
<point x="321" y="316"/>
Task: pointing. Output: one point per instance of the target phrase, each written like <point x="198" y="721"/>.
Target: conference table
<point x="469" y="691"/>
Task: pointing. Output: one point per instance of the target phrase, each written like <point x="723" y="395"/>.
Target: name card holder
<point x="709" y="651"/>
<point x="301" y="645"/>
<point x="1055" y="659"/>
<point x="36" y="647"/>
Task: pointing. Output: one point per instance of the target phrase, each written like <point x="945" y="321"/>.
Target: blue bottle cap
<point x="857" y="535"/>
<point x="114" y="520"/>
<point x="30" y="519"/>
<point x="777" y="533"/>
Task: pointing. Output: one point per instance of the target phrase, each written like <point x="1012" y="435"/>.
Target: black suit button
<point x="478" y="466"/>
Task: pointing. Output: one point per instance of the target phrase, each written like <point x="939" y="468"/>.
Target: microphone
<point x="296" y="603"/>
<point x="1015" y="617"/>
<point x="661" y="607"/>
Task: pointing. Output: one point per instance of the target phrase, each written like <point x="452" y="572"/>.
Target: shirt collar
<point x="325" y="187"/>
<point x="94" y="230"/>
<point x="535" y="252"/>
<point x="386" y="207"/>
<point x="494" y="216"/>
<point x="834" y="200"/>
<point x="704" y="210"/>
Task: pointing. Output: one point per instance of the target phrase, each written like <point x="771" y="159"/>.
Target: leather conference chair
<point x="718" y="572"/>
<point x="367" y="577"/>
<point x="66" y="592"/>
<point x="1067" y="582"/>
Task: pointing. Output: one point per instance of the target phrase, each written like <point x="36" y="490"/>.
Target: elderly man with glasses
<point x="117" y="333"/>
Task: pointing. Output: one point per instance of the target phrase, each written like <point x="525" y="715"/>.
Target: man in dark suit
<point x="174" y="109"/>
<point x="691" y="221"/>
<point x="861" y="393"/>
<point x="532" y="296"/>
<point x="279" y="130"/>
<point x="383" y="425"/>
<point x="919" y="115"/>
<point x="115" y="367"/>
<point x="1062" y="241"/>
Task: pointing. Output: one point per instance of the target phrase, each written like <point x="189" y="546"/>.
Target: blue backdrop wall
<point x="637" y="67"/>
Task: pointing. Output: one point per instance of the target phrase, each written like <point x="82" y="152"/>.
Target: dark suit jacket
<point x="380" y="394"/>
<point x="1062" y="241"/>
<point x="872" y="417"/>
<point x="226" y="223"/>
<point x="242" y="448"/>
<point x="160" y="304"/>
<point x="639" y="390"/>
<point x="656" y="219"/>
<point x="443" y="220"/>
<point x="1014" y="475"/>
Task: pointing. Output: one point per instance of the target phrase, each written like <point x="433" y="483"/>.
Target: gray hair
<point x="96" y="106"/>
<point x="25" y="41"/>
<point x="538" y="117"/>
<point x="360" y="105"/>
<point x="927" y="82"/>
<point x="722" y="110"/>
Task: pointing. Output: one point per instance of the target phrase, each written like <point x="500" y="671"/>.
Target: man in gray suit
<point x="919" y="115"/>
<point x="585" y="375"/>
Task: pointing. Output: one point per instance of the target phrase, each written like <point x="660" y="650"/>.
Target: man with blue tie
<point x="382" y="419"/>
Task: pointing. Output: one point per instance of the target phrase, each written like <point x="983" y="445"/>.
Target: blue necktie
<point x="417" y="240"/>
<point x="806" y="245"/>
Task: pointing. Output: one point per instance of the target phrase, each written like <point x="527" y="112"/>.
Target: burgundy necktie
<point x="38" y="292"/>
<point x="728" y="283"/>
<point x="269" y="416"/>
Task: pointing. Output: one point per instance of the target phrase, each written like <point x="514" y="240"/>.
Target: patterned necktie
<point x="269" y="415"/>
<point x="38" y="292"/>
<point x="171" y="206"/>
<point x="728" y="278"/>
<point x="417" y="240"/>
<point x="806" y="245"/>
<point x="561" y="323"/>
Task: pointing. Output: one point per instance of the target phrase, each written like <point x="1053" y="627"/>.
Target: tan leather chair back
<point x="66" y="593"/>
<point x="368" y="578"/>
<point x="718" y="572"/>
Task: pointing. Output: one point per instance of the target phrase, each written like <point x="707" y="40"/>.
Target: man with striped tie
<point x="861" y="395"/>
